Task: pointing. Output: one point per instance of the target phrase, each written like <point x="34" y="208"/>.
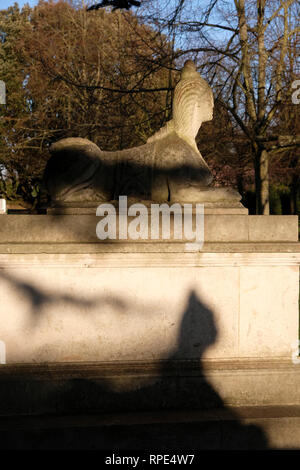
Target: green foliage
<point x="9" y="189"/>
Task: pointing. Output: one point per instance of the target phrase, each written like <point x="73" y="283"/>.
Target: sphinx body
<point x="169" y="167"/>
<point x="79" y="171"/>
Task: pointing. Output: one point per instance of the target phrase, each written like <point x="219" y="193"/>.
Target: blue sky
<point x="8" y="3"/>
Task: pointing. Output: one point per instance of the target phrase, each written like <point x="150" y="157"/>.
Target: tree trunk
<point x="295" y="184"/>
<point x="294" y="195"/>
<point x="262" y="182"/>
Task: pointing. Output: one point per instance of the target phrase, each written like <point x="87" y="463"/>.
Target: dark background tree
<point x="62" y="65"/>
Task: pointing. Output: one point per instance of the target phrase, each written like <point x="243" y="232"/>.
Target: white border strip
<point x="2" y="352"/>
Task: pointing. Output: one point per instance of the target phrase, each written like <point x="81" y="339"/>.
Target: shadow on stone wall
<point x="168" y="405"/>
<point x="40" y="299"/>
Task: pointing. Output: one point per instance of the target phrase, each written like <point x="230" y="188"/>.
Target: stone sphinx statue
<point x="169" y="167"/>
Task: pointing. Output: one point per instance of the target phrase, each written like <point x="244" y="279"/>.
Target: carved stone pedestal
<point x="90" y="325"/>
<point x="67" y="296"/>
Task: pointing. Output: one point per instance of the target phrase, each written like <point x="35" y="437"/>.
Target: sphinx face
<point x="203" y="112"/>
<point x="208" y="110"/>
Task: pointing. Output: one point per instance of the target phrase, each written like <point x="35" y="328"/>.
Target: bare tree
<point x="248" y="50"/>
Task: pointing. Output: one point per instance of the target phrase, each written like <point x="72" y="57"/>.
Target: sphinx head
<point x="193" y="102"/>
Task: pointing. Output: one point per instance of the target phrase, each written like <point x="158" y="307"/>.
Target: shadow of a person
<point x="212" y="425"/>
<point x="176" y="409"/>
<point x="196" y="334"/>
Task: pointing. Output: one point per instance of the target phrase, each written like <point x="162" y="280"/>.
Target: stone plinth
<point x="68" y="229"/>
<point x="68" y="297"/>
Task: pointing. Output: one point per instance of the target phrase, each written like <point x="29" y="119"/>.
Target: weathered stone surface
<point x="152" y="385"/>
<point x="223" y="196"/>
<point x="210" y="208"/>
<point x="259" y="228"/>
<point x="71" y="170"/>
<point x="87" y="406"/>
<point x="193" y="104"/>
<point x="240" y="249"/>
<point x="145" y="172"/>
<point x="112" y="306"/>
<point x="82" y="229"/>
